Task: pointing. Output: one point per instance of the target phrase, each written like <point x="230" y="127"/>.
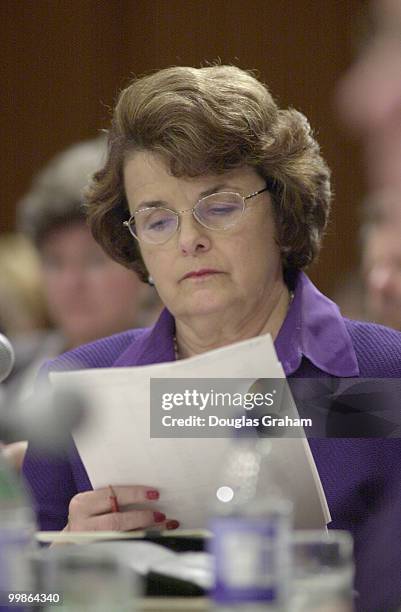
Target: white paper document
<point x="116" y="448"/>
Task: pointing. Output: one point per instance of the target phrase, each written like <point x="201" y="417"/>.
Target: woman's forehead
<point x="145" y="171"/>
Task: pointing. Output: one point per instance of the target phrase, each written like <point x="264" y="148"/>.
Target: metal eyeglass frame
<point x="192" y="210"/>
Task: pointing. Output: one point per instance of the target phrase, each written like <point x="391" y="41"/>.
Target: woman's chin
<point x="203" y="303"/>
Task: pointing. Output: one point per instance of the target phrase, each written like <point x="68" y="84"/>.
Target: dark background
<point x="63" y="62"/>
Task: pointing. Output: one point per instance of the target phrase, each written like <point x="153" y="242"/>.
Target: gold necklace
<point x="175" y="344"/>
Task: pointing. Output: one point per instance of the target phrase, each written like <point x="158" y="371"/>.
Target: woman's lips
<point x="200" y="273"/>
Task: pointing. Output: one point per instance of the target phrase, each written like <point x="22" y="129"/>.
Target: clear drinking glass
<point x="89" y="580"/>
<point x="323" y="571"/>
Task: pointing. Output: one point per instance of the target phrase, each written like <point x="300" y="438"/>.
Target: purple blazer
<point x="361" y="477"/>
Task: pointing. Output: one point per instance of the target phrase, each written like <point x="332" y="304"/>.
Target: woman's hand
<point x="93" y="510"/>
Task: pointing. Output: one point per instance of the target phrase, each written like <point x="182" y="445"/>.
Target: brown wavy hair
<point x="208" y="120"/>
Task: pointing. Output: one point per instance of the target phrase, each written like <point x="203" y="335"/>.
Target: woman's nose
<point x="192" y="236"/>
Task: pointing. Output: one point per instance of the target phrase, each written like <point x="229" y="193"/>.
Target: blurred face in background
<point x="89" y="295"/>
<point x="382" y="265"/>
<point x="370" y="99"/>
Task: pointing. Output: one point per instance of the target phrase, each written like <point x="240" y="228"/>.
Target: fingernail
<point x="159" y="517"/>
<point x="172" y="524"/>
<point x="153" y="494"/>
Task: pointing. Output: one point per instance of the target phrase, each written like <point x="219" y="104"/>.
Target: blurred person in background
<point x="381" y="261"/>
<point x="23" y="317"/>
<point x="22" y="303"/>
<point x="372" y="292"/>
<point x="87" y="294"/>
<point x="369" y="97"/>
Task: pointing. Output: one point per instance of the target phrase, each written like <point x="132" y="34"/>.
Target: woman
<point x="220" y="199"/>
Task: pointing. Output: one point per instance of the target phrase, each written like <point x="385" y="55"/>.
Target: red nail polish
<point x="152" y="494"/>
<point x="172" y="524"/>
<point x="159" y="517"/>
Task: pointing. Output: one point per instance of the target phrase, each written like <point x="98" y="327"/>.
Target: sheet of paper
<point x="116" y="448"/>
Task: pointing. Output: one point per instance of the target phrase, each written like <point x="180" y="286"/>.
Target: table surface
<point x="174" y="604"/>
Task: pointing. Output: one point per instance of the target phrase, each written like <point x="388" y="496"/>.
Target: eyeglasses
<point x="218" y="211"/>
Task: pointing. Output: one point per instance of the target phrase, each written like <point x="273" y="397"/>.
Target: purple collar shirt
<point x="361" y="477"/>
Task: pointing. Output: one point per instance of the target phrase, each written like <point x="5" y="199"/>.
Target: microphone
<point x="46" y="419"/>
<point x="7" y="357"/>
